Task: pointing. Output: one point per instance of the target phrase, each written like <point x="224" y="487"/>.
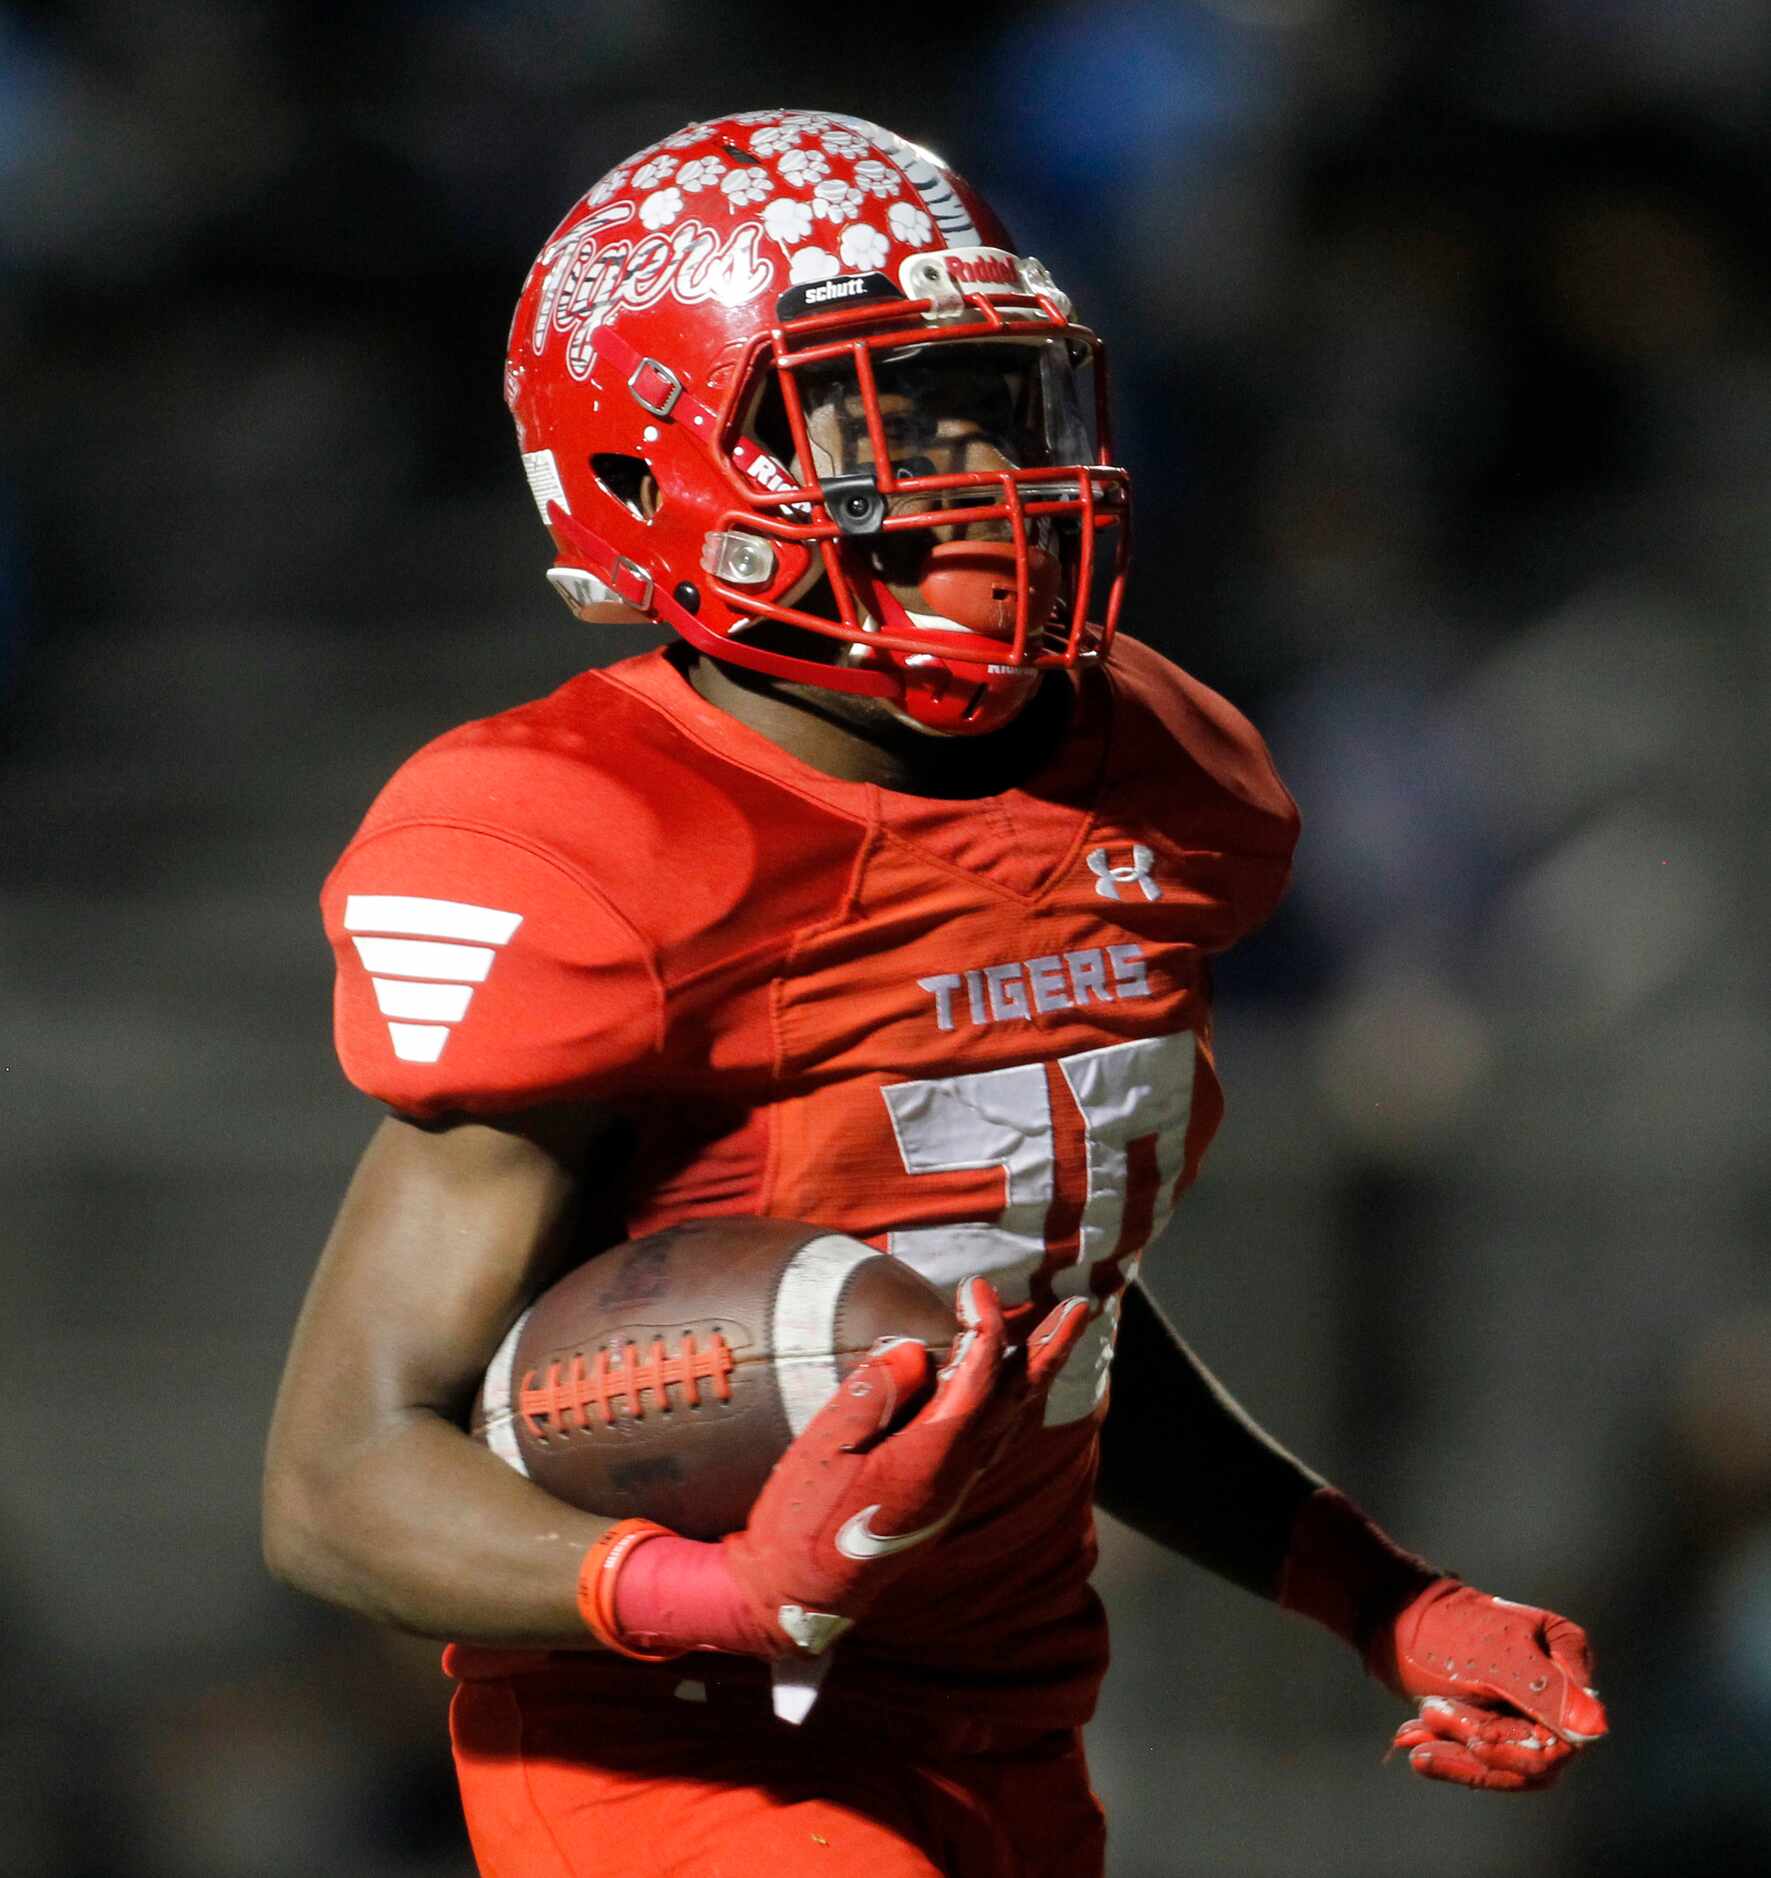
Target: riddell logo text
<point x="1057" y="981"/>
<point x="988" y="270"/>
<point x="761" y="468"/>
<point x="835" y="290"/>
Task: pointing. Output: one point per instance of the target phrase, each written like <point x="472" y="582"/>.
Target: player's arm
<point x="374" y="1497"/>
<point x="1183" y="1464"/>
<point x="1503" y="1689"/>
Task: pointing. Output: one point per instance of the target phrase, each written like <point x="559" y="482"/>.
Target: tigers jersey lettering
<point x="1018" y="988"/>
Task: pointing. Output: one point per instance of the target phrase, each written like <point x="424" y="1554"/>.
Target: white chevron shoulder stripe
<point x="426" y="958"/>
<point x="418" y="1043"/>
<point x="418" y="968"/>
<point x="417" y="998"/>
<point x="428" y="919"/>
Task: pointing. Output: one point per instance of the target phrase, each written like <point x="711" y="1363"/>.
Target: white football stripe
<point x="501" y="1433"/>
<point x="408" y="997"/>
<point x="418" y="1043"/>
<point x="804" y="1329"/>
<point x="428" y="919"/>
<point x="426" y="958"/>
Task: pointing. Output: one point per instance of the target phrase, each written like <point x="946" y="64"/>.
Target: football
<point x="664" y="1378"/>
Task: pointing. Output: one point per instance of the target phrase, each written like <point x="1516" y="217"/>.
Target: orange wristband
<point x="596" y="1585"/>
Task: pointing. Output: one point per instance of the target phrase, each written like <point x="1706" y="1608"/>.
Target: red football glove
<point x="1504" y="1689"/>
<point x="870" y="1480"/>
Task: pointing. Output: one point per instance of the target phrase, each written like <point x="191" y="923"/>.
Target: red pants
<point x="596" y="1780"/>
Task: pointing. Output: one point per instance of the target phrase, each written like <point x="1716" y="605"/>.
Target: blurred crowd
<point x="1441" y="342"/>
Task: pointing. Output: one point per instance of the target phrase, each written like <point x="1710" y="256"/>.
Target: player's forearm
<point x="1182" y="1463"/>
<point x="426" y="1530"/>
<point x="374" y="1498"/>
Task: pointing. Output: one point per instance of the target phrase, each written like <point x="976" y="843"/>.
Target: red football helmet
<point x="784" y="373"/>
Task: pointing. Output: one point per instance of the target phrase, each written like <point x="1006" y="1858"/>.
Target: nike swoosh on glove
<point x="1505" y="1690"/>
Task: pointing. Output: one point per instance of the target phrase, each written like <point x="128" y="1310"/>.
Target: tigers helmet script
<point x="782" y="383"/>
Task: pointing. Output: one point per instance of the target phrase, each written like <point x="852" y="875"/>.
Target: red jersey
<point x="974" y="1033"/>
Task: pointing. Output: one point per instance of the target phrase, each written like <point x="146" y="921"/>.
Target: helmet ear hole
<point x="629" y="480"/>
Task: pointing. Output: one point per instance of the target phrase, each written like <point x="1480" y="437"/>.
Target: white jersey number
<point x="1090" y="1148"/>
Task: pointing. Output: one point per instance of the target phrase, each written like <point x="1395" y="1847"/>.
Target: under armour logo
<point x="1109" y="879"/>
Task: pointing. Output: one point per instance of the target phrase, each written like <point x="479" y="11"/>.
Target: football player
<point x="881" y="897"/>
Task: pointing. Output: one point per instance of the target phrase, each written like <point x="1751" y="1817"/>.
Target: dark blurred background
<point x="1443" y="363"/>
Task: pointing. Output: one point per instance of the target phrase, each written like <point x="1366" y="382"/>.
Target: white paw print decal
<point x="836" y="201"/>
<point x="787" y="220"/>
<point x="909" y="224"/>
<point x="702" y="173"/>
<point x="812" y="264"/>
<point x="877" y="178"/>
<point x="756" y="117"/>
<point x="803" y="166"/>
<point x="863" y="248"/>
<point x="607" y="187"/>
<point x="774" y="139"/>
<point x="650" y="175"/>
<point x="842" y="142"/>
<point x="681" y="139"/>
<point x="661" y="208"/>
<point x="746" y="184"/>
